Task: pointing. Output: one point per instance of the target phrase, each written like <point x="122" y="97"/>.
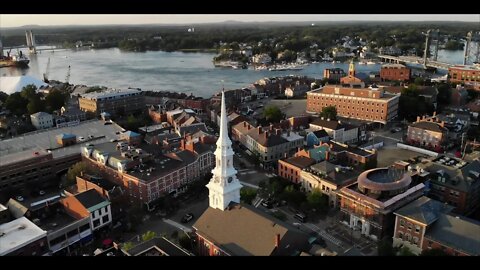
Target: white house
<point x="41" y="120"/>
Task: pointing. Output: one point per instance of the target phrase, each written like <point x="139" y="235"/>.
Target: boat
<point x="362" y="63"/>
<point x="371" y="63"/>
<point x="19" y="60"/>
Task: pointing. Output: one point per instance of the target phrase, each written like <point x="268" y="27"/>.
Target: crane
<point x="45" y="75"/>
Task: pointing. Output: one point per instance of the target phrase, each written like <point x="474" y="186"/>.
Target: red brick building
<point x="334" y="74"/>
<point x="469" y="75"/>
<point x="427" y="132"/>
<point x="427" y="224"/>
<point x="454" y="181"/>
<point x="144" y="172"/>
<point x="291" y="168"/>
<point x="354" y="101"/>
<point x="394" y="72"/>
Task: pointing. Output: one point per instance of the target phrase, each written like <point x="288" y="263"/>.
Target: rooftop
<point x="384" y="179"/>
<point x="160" y="244"/>
<point x="250" y="232"/>
<point x="424" y="210"/>
<point x="459" y="233"/>
<point x="17" y="234"/>
<point x="393" y="66"/>
<point x="23" y="147"/>
<point x="335" y="174"/>
<point x="460" y="175"/>
<point x="300" y="162"/>
<point x="432" y="126"/>
<point x="90" y="198"/>
<point x="331" y="124"/>
<point x="111" y="93"/>
<point x="56" y="222"/>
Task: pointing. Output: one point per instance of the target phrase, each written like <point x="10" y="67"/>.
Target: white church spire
<point x="224" y="186"/>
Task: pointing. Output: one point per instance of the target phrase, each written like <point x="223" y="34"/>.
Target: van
<point x="300" y="217"/>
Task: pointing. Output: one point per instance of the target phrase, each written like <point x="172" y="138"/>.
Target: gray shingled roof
<point x="432" y="126"/>
<point x="459" y="233"/>
<point x="424" y="210"/>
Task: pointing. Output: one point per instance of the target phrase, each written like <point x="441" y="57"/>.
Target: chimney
<point x="418" y="118"/>
<point x="259" y="129"/>
<point x="271" y="127"/>
<point x="442" y="124"/>
<point x="435" y="113"/>
<point x="278" y="131"/>
<point x="285" y="155"/>
<point x="244" y="124"/>
<point x="327" y="155"/>
<point x="182" y="144"/>
<point x="423" y="117"/>
<point x="277" y="240"/>
<point x="267" y="134"/>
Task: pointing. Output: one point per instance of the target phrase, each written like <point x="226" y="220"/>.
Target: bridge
<point x="414" y="60"/>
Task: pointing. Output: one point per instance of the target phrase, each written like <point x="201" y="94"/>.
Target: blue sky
<point x="13" y="20"/>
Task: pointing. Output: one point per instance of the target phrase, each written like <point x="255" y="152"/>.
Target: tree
<point x="185" y="242"/>
<point x="16" y="103"/>
<point x="54" y="100"/>
<point x="74" y="171"/>
<point x="385" y="248"/>
<point x="444" y="93"/>
<point x="434" y="252"/>
<point x="247" y="195"/>
<point x="3" y="96"/>
<point x="35" y="105"/>
<point x="329" y="112"/>
<point x="317" y="200"/>
<point x="148" y="236"/>
<point x="419" y="81"/>
<point x="405" y="251"/>
<point x="127" y="246"/>
<point x="273" y="114"/>
<point x="293" y="196"/>
<point x="29" y="91"/>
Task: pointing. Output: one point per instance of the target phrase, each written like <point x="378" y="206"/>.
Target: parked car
<point x="187" y="217"/>
<point x="397" y="129"/>
<point x="19" y="198"/>
<point x="301" y="217"/>
<point x="41" y="193"/>
<point x="268" y="203"/>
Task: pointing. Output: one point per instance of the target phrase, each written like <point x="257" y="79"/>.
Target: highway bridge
<point x="414" y="60"/>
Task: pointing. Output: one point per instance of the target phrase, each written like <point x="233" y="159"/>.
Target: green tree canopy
<point x="247" y="195"/>
<point x="74" y="171"/>
<point x="16" y="104"/>
<point x="317" y="200"/>
<point x="3" y="96"/>
<point x="273" y="114"/>
<point x="148" y="236"/>
<point x="405" y="251"/>
<point x="329" y="112"/>
<point x="55" y="100"/>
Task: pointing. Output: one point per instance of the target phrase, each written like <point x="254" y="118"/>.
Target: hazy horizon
<point x="18" y="20"/>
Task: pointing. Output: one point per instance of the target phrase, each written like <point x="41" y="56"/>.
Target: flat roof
<point x="17" y="234"/>
<point x="56" y="222"/>
<point x="22" y="147"/>
<point x="110" y="93"/>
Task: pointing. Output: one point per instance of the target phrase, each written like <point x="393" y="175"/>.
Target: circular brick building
<point x="383" y="182"/>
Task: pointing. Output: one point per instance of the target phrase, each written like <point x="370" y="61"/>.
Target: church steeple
<point x="224" y="187"/>
<point x="351" y="69"/>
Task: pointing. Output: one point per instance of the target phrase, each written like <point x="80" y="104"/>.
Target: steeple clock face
<point x="230" y="179"/>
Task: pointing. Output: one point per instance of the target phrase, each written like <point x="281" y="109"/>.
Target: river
<point x="159" y="70"/>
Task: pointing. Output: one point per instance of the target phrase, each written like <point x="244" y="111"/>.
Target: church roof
<point x="242" y="230"/>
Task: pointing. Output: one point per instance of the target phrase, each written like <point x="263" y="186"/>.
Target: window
<point x="429" y="244"/>
<point x="84" y="227"/>
<point x="417" y="228"/>
<point x="400" y="235"/>
<point x="105" y="219"/>
<point x="415" y="240"/>
<point x="96" y="223"/>
<point x="402" y="223"/>
<point x="409" y="226"/>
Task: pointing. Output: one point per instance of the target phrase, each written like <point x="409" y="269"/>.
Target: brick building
<point x="38" y="158"/>
<point x="334" y="74"/>
<point x="113" y="101"/>
<point x="354" y="101"/>
<point x="427" y="132"/>
<point x="427" y="224"/>
<point x="368" y="204"/>
<point x="394" y="72"/>
<point x="145" y="173"/>
<point x="454" y="181"/>
<point x="469" y="75"/>
<point x="291" y="168"/>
